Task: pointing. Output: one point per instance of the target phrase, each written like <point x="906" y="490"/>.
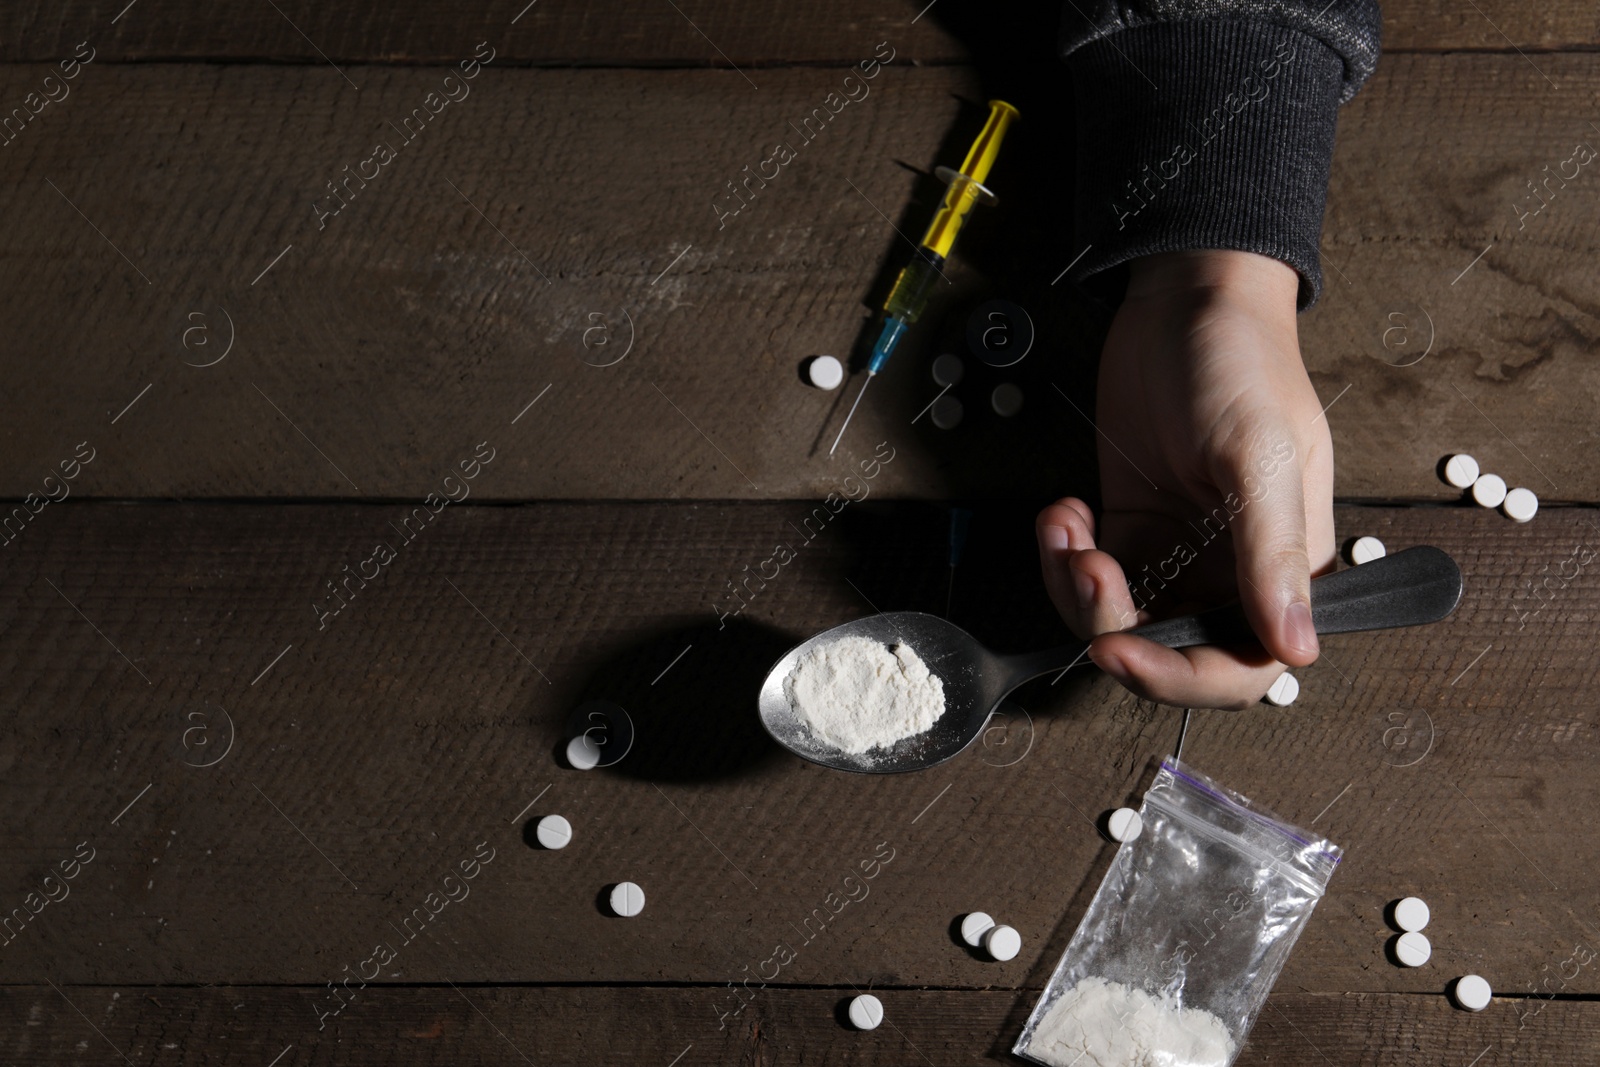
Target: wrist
<point x="1259" y="281"/>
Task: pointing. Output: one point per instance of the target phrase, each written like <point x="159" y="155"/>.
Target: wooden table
<point x="233" y="789"/>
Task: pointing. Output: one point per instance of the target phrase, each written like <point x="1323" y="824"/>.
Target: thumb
<point x="1269" y="544"/>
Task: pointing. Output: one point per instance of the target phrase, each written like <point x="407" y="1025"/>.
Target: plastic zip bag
<point x="1186" y="935"/>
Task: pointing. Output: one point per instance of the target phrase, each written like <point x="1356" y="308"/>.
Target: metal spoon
<point x="1418" y="585"/>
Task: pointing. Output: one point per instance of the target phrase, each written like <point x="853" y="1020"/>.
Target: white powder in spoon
<point x="1098" y="1023"/>
<point x="855" y="694"/>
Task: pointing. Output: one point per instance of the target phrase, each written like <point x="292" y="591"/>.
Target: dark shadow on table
<point x="1015" y="251"/>
<point x="690" y="697"/>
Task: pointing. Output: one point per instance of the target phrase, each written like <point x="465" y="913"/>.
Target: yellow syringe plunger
<point x="966" y="187"/>
<point x="980" y="157"/>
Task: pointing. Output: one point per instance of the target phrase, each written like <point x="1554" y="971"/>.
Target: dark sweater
<point x="1209" y="124"/>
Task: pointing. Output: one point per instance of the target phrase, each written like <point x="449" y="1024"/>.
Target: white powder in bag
<point x="1098" y="1023"/>
<point x="856" y="695"/>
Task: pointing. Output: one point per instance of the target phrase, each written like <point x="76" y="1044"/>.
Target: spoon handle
<point x="1416" y="586"/>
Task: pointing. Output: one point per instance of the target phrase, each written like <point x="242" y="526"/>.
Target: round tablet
<point x="1124" y="824"/>
<point x="947" y="412"/>
<point x="866" y="1012"/>
<point x="1473" y="993"/>
<point x="627" y="899"/>
<point x="583" y="753"/>
<point x="1411" y="914"/>
<point x="1461" y="471"/>
<point x="1367" y="549"/>
<point x="825" y="372"/>
<point x="1412" y="949"/>
<point x="1006" y="400"/>
<point x="1003" y="943"/>
<point x="553" y="831"/>
<point x="1489" y="490"/>
<point x="1283" y="691"/>
<point x="1520" y="504"/>
<point x="974" y="926"/>
<point x="948" y="369"/>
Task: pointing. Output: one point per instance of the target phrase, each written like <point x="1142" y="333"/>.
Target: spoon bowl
<point x="971" y="675"/>
<point x="1418" y="585"/>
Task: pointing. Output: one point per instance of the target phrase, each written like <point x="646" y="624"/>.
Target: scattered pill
<point x="1124" y="825"/>
<point x="583" y="753"/>
<point x="553" y="831"/>
<point x="1473" y="993"/>
<point x="974" y="926"/>
<point x="1412" y="949"/>
<point x="1521" y="504"/>
<point x="1003" y="943"/>
<point x="825" y="372"/>
<point x="1367" y="549"/>
<point x="1489" y="490"/>
<point x="866" y="1012"/>
<point x="1411" y="914"/>
<point x="627" y="899"/>
<point x="948" y="369"/>
<point x="1006" y="400"/>
<point x="1461" y="471"/>
<point x="1283" y="691"/>
<point x="947" y="412"/>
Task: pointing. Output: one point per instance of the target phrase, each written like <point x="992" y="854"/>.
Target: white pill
<point x="583" y="753"/>
<point x="1367" y="549"/>
<point x="825" y="372"/>
<point x="866" y="1012"/>
<point x="974" y="926"/>
<point x="1489" y="490"/>
<point x="1412" y="949"/>
<point x="1461" y="471"/>
<point x="1520" y="504"/>
<point x="1411" y="914"/>
<point x="627" y="899"/>
<point x="947" y="412"/>
<point x="1283" y="691"/>
<point x="948" y="369"/>
<point x="1473" y="993"/>
<point x="553" y="831"/>
<point x="1006" y="400"/>
<point x="1124" y="824"/>
<point x="1003" y="943"/>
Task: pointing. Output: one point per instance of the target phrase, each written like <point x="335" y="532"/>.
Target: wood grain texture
<point x="375" y="755"/>
<point x="1442" y="350"/>
<point x="648" y="1026"/>
<point x="705" y="32"/>
<point x="549" y="208"/>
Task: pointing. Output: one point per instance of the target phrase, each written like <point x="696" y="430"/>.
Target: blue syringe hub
<point x="884" y="347"/>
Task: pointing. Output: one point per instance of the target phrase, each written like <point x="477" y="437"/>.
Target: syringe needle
<point x="852" y="414"/>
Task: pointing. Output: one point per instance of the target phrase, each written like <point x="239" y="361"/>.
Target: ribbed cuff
<point x="1206" y="134"/>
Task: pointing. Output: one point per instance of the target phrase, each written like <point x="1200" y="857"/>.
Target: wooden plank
<point x="374" y="352"/>
<point x="649" y="1026"/>
<point x="708" y="34"/>
<point x="705" y="32"/>
<point x="373" y="756"/>
<point x="1454" y="313"/>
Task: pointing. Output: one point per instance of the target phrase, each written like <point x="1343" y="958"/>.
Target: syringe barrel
<point x="909" y="296"/>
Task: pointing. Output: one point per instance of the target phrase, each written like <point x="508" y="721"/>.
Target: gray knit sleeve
<point x="1209" y="124"/>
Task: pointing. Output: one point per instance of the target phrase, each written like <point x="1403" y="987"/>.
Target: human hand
<point x="1216" y="469"/>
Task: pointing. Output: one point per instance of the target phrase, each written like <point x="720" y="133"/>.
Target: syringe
<point x="909" y="297"/>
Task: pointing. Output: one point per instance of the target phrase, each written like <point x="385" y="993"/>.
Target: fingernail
<point x="1084" y="585"/>
<point x="1057" y="538"/>
<point x="1302" y="631"/>
<point x="1113" y="666"/>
